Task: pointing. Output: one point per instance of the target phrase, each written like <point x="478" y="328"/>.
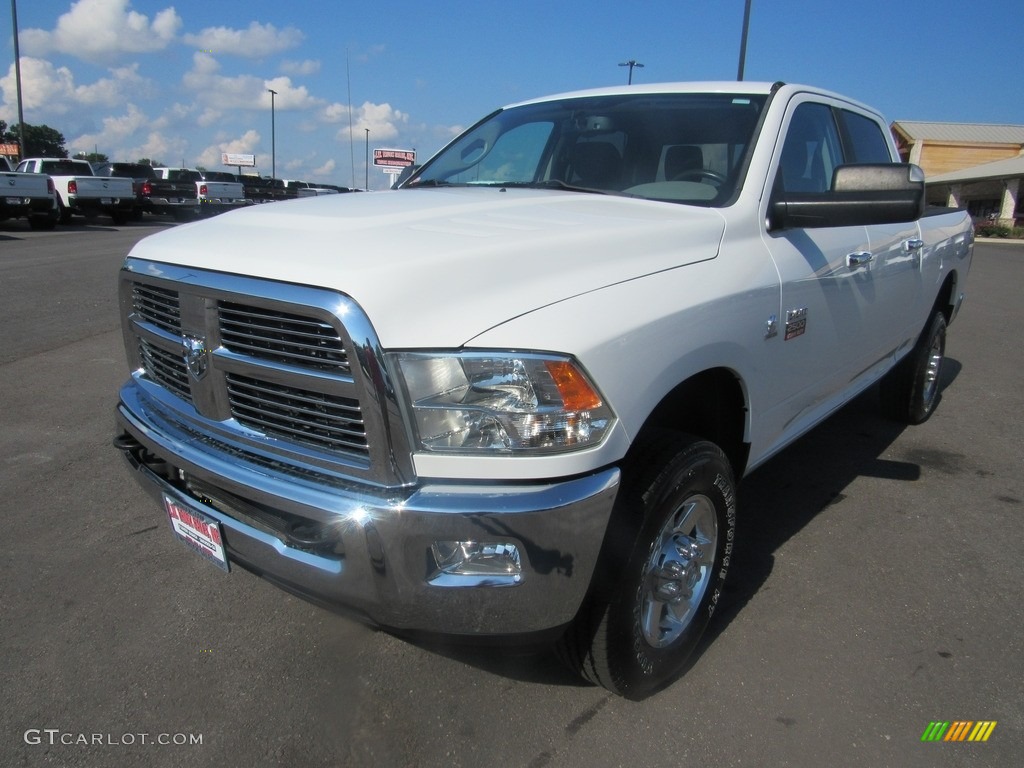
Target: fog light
<point x="476" y="564"/>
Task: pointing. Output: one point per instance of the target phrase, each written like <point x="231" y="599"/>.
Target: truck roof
<point x="709" y="86"/>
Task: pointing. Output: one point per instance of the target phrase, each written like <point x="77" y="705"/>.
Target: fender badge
<point x="194" y="350"/>
<point x="796" y="323"/>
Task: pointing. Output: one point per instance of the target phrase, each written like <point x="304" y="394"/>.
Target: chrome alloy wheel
<point x="678" y="570"/>
<point x="931" y="373"/>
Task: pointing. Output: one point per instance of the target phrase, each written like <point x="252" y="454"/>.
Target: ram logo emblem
<point x="194" y="349"/>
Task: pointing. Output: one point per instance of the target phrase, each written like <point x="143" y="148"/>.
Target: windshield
<point x="685" y="148"/>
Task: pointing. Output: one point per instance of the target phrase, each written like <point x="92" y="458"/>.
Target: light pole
<point x="631" y="64"/>
<point x="273" y="138"/>
<point x="367" y="182"/>
<point x="17" y="80"/>
<point x="743" y="40"/>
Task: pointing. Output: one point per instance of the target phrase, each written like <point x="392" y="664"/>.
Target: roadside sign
<point x="230" y="158"/>
<point x="394" y="158"/>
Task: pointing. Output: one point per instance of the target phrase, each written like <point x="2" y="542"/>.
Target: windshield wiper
<point x="430" y="183"/>
<point x="556" y="184"/>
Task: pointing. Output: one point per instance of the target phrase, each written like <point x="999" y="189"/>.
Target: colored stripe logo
<point x="958" y="730"/>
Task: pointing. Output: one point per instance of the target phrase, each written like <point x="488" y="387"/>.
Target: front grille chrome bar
<point x="267" y="365"/>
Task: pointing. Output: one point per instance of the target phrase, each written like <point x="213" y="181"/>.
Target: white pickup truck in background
<point x="79" y="191"/>
<point x="30" y="195"/>
<point x="515" y="396"/>
<point x="215" y="195"/>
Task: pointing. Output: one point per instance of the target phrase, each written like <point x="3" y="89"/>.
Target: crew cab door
<point x="841" y="286"/>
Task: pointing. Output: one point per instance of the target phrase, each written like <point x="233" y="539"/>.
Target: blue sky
<point x="184" y="80"/>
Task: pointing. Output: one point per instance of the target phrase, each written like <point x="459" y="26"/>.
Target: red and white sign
<point x="394" y="158"/>
<point x="200" y="532"/>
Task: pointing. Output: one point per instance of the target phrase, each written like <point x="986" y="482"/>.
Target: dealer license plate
<point x="106" y="201"/>
<point x="13" y="200"/>
<point x="199" y="531"/>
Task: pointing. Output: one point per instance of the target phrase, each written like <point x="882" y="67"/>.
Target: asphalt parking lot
<point x="878" y="588"/>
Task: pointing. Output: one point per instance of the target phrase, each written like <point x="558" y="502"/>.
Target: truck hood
<point x="437" y="267"/>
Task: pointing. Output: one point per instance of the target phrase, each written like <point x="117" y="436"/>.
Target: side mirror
<point x="861" y="195"/>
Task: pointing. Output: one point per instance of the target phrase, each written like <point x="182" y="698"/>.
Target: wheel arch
<point x="946" y="300"/>
<point x="710" y="405"/>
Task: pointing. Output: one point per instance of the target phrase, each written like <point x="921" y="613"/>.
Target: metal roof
<point x="967" y="133"/>
<point x="1000" y="169"/>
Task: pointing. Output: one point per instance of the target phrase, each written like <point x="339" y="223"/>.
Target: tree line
<point x="40" y="140"/>
<point x="44" y="141"/>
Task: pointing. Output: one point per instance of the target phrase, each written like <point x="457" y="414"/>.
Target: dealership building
<point x="977" y="167"/>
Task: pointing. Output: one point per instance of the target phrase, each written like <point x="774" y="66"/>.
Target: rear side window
<point x="865" y="141"/>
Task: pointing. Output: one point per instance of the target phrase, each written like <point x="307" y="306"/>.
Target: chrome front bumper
<point x="347" y="546"/>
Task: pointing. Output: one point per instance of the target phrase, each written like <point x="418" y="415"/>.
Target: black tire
<point x="653" y="598"/>
<point x="910" y="391"/>
<point x="65" y="213"/>
<point x="119" y="218"/>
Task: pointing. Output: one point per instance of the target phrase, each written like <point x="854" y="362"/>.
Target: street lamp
<point x="17" y="82"/>
<point x="631" y="63"/>
<point x="273" y="138"/>
<point x="743" y="40"/>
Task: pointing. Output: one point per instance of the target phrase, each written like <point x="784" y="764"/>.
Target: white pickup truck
<point x="516" y="395"/>
<point x="214" y="193"/>
<point x="79" y="191"/>
<point x="27" y="194"/>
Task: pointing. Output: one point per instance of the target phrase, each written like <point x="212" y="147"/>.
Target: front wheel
<point x="641" y="623"/>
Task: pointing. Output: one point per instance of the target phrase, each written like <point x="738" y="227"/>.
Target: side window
<point x="812" y="150"/>
<point x="865" y="141"/>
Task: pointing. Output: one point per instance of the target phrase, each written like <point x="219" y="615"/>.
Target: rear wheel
<point x="910" y="391"/>
<point x="650" y="604"/>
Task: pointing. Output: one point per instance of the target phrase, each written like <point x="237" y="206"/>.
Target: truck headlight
<point x="500" y="402"/>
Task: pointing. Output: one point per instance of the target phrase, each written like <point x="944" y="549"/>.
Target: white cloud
<point x="257" y="41"/>
<point x="48" y="90"/>
<point x="324" y="170"/>
<point x="220" y="92"/>
<point x="300" y="68"/>
<point x="158" y="147"/>
<point x="243" y="145"/>
<point x="209" y="117"/>
<point x="334" y="113"/>
<point x="115" y="130"/>
<point x="98" y="30"/>
<point x="384" y="121"/>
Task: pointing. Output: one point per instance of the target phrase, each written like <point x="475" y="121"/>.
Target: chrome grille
<point x="280" y="384"/>
<point x="282" y="337"/>
<point x="158" y="306"/>
<point x="324" y="421"/>
<point x="165" y="369"/>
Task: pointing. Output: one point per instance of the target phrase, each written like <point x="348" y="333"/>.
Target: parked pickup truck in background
<point x="516" y="395"/>
<point x="153" y="194"/>
<point x="212" y="196"/>
<point x="262" y="189"/>
<point x="221" y="191"/>
<point x="27" y="194"/>
<point x="80" y="191"/>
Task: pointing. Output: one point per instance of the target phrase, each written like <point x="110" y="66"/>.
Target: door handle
<point x="859" y="259"/>
<point x="913" y="244"/>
